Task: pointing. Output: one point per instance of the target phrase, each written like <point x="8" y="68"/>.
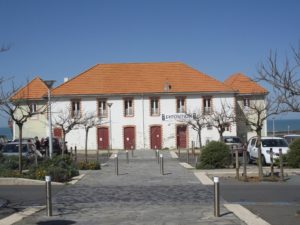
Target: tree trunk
<point x="20" y="126"/>
<point x="199" y="136"/>
<point x="64" y="144"/>
<point x="260" y="169"/>
<point x="86" y="141"/>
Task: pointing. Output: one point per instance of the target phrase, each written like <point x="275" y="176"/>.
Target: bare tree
<point x="221" y="119"/>
<point x="255" y="116"/>
<point x="66" y="121"/>
<point x="284" y="78"/>
<point x="19" y="108"/>
<point x="88" y="121"/>
<point x="197" y="121"/>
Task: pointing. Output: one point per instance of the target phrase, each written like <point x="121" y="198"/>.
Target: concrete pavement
<point x="139" y="195"/>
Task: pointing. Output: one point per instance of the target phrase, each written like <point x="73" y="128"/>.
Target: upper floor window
<point x="128" y="107"/>
<point x="181" y="105"/>
<point x="207" y="106"/>
<point x="102" y="108"/>
<point x="32" y="108"/>
<point x="154" y="106"/>
<point x="227" y="127"/>
<point x="75" y="108"/>
<point x="246" y="102"/>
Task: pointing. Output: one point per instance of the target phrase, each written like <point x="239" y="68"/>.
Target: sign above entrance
<point x="177" y="116"/>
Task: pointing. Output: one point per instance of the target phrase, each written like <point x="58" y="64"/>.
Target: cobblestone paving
<point x="139" y="195"/>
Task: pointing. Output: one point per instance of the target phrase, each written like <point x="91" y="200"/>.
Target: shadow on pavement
<point x="56" y="222"/>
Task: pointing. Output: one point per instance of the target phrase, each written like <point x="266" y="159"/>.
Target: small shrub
<point x="214" y="155"/>
<point x="293" y="155"/>
<point x="89" y="166"/>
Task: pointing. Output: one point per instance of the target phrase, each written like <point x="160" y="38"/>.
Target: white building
<point x="148" y="104"/>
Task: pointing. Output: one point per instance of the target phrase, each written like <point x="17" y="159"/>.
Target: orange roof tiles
<point x="244" y="84"/>
<point x="133" y="78"/>
<point x="35" y="89"/>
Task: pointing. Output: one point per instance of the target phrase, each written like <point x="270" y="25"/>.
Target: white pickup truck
<point x="267" y="143"/>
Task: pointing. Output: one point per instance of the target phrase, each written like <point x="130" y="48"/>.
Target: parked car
<point x="12" y="148"/>
<point x="291" y="137"/>
<point x="266" y="144"/>
<point x="234" y="143"/>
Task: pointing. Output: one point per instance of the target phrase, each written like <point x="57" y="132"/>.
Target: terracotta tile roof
<point x="131" y="78"/>
<point x="35" y="89"/>
<point x="244" y="84"/>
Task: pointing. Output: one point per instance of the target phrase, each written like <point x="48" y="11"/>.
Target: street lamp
<point x="49" y="84"/>
<point x="110" y="138"/>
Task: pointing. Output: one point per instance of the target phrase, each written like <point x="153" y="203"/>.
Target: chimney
<point x="167" y="86"/>
<point x="66" y="79"/>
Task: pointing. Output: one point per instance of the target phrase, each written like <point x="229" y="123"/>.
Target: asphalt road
<point x="277" y="203"/>
<point x="20" y="196"/>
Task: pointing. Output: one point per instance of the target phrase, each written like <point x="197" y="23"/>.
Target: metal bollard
<point x="35" y="159"/>
<point x="237" y="164"/>
<point x="48" y="195"/>
<point x="272" y="163"/>
<point x="161" y="164"/>
<point x="127" y="156"/>
<point x="193" y="148"/>
<point x="132" y="151"/>
<point x="157" y="156"/>
<point x="216" y="197"/>
<point x="179" y="152"/>
<point x="281" y="165"/>
<point x="116" y="165"/>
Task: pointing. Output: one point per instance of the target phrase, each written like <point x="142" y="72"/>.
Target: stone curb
<point x="245" y="215"/>
<point x="23" y="181"/>
<point x="20" y="215"/>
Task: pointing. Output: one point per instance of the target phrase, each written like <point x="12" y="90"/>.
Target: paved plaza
<point x="139" y="195"/>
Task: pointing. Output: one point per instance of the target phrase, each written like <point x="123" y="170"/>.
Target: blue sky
<point x="55" y="39"/>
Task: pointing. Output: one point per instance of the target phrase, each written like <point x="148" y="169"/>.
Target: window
<point x="209" y="126"/>
<point x="207" y="109"/>
<point x="181" y="105"/>
<point x="128" y="104"/>
<point x="102" y="108"/>
<point x="227" y="127"/>
<point x="246" y="102"/>
<point x="32" y="108"/>
<point x="76" y="108"/>
<point x="253" y="142"/>
<point x="154" y="107"/>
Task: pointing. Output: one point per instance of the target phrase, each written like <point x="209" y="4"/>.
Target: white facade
<point x="142" y="120"/>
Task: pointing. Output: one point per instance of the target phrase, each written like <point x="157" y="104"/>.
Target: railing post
<point x="272" y="162"/>
<point x="127" y="156"/>
<point x="245" y="164"/>
<point x="48" y="195"/>
<point x="75" y="149"/>
<point x="281" y="165"/>
<point x="237" y="165"/>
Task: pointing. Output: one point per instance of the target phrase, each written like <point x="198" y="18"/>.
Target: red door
<point x="129" y="138"/>
<point x="181" y="137"/>
<point x="155" y="137"/>
<point x="57" y="132"/>
<point x="103" y="141"/>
